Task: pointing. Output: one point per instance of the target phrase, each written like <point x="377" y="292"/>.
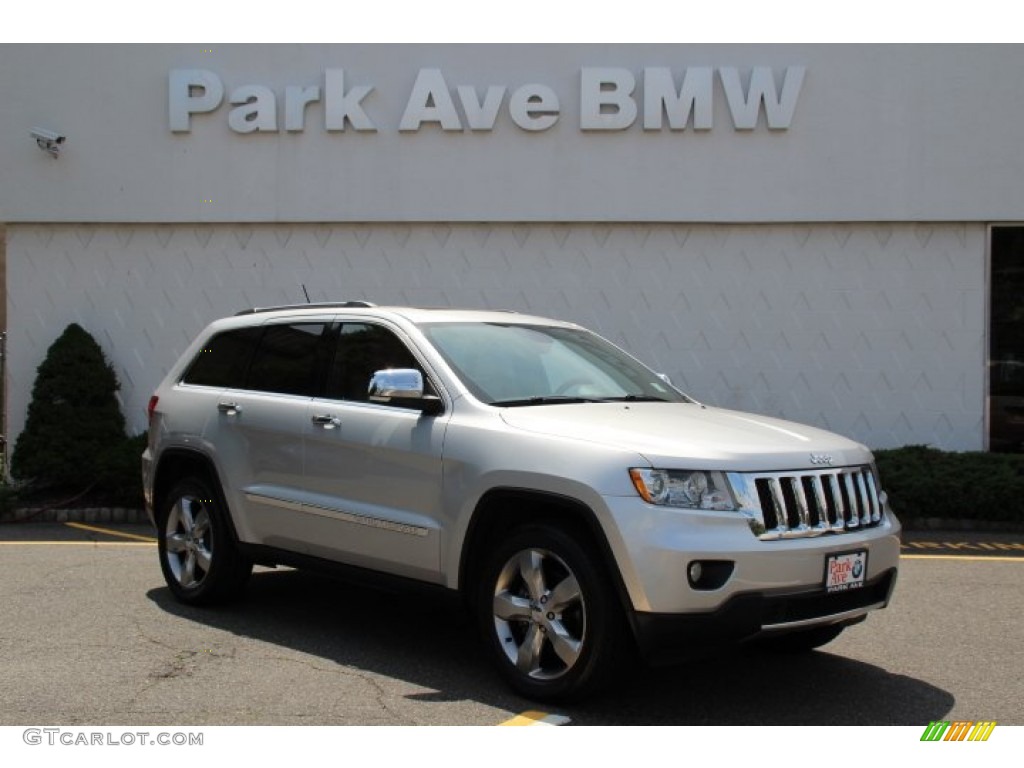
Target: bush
<point x="924" y="482"/>
<point x="75" y="430"/>
<point x="120" y="484"/>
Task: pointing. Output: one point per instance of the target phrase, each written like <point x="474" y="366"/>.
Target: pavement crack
<point x="380" y="694"/>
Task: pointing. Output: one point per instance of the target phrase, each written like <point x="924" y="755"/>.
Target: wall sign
<point x="610" y="99"/>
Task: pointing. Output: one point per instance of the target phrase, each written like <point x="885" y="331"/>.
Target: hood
<point x="691" y="436"/>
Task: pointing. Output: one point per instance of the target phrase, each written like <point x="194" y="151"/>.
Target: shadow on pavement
<point x="431" y="641"/>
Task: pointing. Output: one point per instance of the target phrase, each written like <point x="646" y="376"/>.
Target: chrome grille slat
<point x="837" y="496"/>
<point x="814" y="502"/>
<point x="782" y="521"/>
<point x="865" y="508"/>
<point x="876" y="512"/>
<point x="824" y="524"/>
<point x="853" y="519"/>
<point x="802" y="510"/>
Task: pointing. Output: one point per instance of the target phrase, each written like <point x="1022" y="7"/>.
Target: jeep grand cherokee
<point x="583" y="506"/>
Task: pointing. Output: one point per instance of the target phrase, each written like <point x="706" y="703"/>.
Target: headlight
<point x="684" y="488"/>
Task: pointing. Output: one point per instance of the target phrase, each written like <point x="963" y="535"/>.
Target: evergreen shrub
<point x="74" y="437"/>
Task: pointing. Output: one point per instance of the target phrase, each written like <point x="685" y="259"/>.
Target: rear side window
<point x="288" y="360"/>
<point x="223" y="360"/>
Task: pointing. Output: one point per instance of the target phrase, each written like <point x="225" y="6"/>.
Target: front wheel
<point x="198" y="555"/>
<point x="549" y="615"/>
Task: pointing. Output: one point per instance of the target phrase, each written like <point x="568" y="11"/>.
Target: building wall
<point x="877" y="133"/>
<point x="872" y="330"/>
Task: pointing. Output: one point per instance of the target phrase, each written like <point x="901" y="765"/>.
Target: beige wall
<point x="876" y="331"/>
<point x="3" y="277"/>
<point x="879" y="133"/>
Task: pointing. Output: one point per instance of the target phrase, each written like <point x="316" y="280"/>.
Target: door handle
<point x="326" y="420"/>
<point x="231" y="409"/>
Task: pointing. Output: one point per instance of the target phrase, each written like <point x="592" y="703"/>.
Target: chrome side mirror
<point x="396" y="382"/>
<point x="404" y="388"/>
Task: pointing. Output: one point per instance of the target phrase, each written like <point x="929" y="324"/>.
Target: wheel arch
<point x="175" y="464"/>
<point x="502" y="510"/>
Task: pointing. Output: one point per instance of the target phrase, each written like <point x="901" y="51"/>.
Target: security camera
<point x="49" y="141"/>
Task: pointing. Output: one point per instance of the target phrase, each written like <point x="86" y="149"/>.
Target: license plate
<point x="846" y="571"/>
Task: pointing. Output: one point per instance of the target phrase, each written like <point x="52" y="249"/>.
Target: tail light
<point x="151" y="408"/>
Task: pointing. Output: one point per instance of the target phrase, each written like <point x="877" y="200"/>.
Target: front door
<point x="373" y="471"/>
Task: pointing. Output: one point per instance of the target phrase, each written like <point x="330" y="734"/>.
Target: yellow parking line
<point x="536" y="718"/>
<point x="109" y="532"/>
<point x="980" y="558"/>
<point x="77" y="543"/>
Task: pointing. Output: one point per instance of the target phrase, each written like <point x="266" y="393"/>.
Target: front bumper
<point x="672" y="637"/>
<point x="654" y="546"/>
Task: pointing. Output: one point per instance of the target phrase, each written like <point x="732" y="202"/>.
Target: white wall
<point x="878" y="133"/>
<point x="873" y="330"/>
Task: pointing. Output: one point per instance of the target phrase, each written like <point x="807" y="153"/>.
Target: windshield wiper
<point x="547" y="400"/>
<point x="564" y="399"/>
<point x="634" y="399"/>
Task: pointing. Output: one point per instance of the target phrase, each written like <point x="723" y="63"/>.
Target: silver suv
<point x="583" y="506"/>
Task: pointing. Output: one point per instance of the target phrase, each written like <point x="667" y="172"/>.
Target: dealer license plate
<point x="846" y="571"/>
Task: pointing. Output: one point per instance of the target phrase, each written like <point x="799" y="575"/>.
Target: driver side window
<point x="364" y="349"/>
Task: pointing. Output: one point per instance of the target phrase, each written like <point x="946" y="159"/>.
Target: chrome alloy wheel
<point x="540" y="616"/>
<point x="189" y="549"/>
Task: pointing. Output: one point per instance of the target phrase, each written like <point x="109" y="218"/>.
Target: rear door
<point x="261" y="427"/>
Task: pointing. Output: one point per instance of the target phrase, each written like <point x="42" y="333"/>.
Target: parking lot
<point x="91" y="635"/>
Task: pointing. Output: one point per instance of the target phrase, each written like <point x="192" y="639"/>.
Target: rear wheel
<point x="549" y="615"/>
<point x="198" y="555"/>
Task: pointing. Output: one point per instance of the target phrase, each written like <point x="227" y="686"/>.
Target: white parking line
<point x="976" y="558"/>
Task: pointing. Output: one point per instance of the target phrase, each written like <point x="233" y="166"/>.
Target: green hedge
<point x="924" y="482"/>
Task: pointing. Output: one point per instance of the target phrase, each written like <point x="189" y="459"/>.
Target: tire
<point x="802" y="641"/>
<point x="549" y="615"/>
<point x="198" y="554"/>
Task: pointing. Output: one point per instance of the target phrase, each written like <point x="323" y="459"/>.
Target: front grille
<point x="813" y="502"/>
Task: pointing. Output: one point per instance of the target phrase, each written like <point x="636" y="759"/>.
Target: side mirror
<point x="403" y="387"/>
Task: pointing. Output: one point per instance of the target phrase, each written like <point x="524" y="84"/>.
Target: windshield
<point x="537" y="364"/>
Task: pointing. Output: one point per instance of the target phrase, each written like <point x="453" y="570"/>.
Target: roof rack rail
<point x="312" y="305"/>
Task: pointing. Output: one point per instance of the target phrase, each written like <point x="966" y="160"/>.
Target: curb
<point x="89" y="515"/>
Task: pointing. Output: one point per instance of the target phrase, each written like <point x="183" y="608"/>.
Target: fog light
<point x="709" y="574"/>
<point x="696" y="571"/>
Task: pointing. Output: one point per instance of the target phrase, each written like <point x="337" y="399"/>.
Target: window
<point x="223" y="359"/>
<point x="288" y="359"/>
<point x="502" y="364"/>
<point x="1006" y="341"/>
<point x="362" y="350"/>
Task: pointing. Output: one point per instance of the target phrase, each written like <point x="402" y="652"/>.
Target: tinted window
<point x="288" y="359"/>
<point x="364" y="349"/>
<point x="223" y="359"/>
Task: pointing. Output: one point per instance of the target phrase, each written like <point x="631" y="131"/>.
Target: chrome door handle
<point x="326" y="420"/>
<point x="229" y="408"/>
